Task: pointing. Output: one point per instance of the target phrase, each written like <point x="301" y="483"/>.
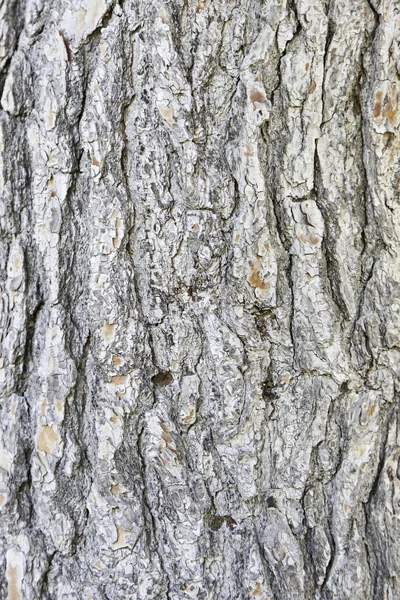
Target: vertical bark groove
<point x="199" y="299"/>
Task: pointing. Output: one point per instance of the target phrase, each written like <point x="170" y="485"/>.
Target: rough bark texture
<point x="200" y="303"/>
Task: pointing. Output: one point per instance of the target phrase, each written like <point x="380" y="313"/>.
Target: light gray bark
<point x="200" y="309"/>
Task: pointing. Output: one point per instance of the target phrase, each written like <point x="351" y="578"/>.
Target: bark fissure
<point x="199" y="300"/>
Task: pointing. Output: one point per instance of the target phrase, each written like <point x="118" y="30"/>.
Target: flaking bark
<point x="200" y="314"/>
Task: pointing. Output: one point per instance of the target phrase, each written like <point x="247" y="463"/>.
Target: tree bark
<point x="200" y="309"/>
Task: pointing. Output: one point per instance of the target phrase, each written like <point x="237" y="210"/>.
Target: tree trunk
<point x="200" y="304"/>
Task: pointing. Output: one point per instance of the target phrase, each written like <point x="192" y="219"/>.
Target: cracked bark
<point x="200" y="315"/>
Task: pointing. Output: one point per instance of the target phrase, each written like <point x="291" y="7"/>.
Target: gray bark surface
<point x="199" y="292"/>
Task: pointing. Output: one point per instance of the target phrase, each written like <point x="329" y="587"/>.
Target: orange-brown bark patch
<point x="378" y="104"/>
<point x="108" y="331"/>
<point x="119" y="379"/>
<point x="312" y="87"/>
<point x="47" y="440"/>
<point x="257" y="96"/>
<point x="390" y="111"/>
<point x="189" y="417"/>
<point x="254" y="279"/>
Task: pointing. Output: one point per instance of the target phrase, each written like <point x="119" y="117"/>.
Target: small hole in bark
<point x="162" y="379"/>
<point x="344" y="387"/>
<point x="216" y="523"/>
<point x="267" y="388"/>
<point x="271" y="502"/>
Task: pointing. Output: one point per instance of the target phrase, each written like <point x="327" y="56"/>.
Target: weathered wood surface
<point x="200" y="306"/>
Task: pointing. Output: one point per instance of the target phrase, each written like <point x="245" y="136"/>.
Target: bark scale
<point x="200" y="313"/>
